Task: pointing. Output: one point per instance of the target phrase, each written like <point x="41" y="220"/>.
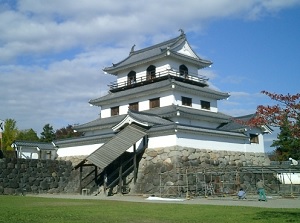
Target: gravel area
<point x="273" y="202"/>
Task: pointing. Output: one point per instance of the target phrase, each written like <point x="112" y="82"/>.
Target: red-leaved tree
<point x="285" y="115"/>
<point x="288" y="108"/>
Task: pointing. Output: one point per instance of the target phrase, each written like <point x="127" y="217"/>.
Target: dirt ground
<point x="252" y="201"/>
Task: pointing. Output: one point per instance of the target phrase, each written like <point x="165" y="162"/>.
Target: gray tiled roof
<point x="170" y="111"/>
<point x="111" y="97"/>
<point x="84" y="140"/>
<point x="153" y="52"/>
<point x="203" y="90"/>
<point x="159" y="130"/>
<point x="157" y="86"/>
<point x="155" y="116"/>
<point x="40" y="145"/>
<point x="152" y="119"/>
<point x="233" y="125"/>
<point x="116" y="146"/>
<point x="108" y="123"/>
<point x="100" y="123"/>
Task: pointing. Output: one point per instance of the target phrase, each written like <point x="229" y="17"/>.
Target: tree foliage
<point x="66" y="132"/>
<point x="285" y="115"/>
<point x="27" y="135"/>
<point x="48" y="134"/>
<point x="9" y="134"/>
<point x="286" y="145"/>
<point x="286" y="112"/>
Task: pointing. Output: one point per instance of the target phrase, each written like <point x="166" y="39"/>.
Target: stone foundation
<point x="18" y="176"/>
<point x="178" y="168"/>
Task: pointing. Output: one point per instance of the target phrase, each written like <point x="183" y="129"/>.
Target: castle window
<point x="186" y="101"/>
<point x="183" y="71"/>
<point x="134" y="106"/>
<point x="131" y="77"/>
<point x="151" y="70"/>
<point x="205" y="105"/>
<point x="254" y="138"/>
<point x="154" y="103"/>
<point x="114" y="111"/>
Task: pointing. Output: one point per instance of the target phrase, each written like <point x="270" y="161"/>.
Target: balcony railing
<point x="113" y="86"/>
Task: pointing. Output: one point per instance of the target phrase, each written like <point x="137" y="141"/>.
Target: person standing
<point x="261" y="191"/>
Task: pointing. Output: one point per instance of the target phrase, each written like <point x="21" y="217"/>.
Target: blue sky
<point x="52" y="52"/>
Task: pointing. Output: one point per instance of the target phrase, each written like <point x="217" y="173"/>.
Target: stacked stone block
<point x="19" y="176"/>
<point x="164" y="167"/>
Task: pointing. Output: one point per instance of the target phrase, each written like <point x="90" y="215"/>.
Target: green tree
<point x="285" y="115"/>
<point x="9" y="135"/>
<point x="66" y="132"/>
<point x="27" y="135"/>
<point x="285" y="143"/>
<point x="48" y="134"/>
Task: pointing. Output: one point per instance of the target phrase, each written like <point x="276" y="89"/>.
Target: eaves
<point x="201" y="91"/>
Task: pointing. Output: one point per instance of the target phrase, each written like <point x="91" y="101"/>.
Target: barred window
<point x="186" y="101"/>
<point x="254" y="138"/>
<point x="134" y="106"/>
<point x="154" y="103"/>
<point x="205" y="105"/>
<point x="183" y="70"/>
<point x="151" y="70"/>
<point x="114" y="111"/>
<point x="131" y="77"/>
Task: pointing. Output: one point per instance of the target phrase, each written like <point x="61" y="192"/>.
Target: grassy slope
<point x="18" y="209"/>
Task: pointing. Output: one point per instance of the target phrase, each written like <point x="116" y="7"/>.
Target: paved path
<point x="274" y="202"/>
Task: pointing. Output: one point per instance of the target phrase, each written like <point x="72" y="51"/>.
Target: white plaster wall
<point x="78" y="150"/>
<point x="29" y="155"/>
<point x="174" y="65"/>
<point x="161" y="65"/>
<point x="141" y="70"/>
<point x="203" y="142"/>
<point x="162" y="141"/>
<point x="255" y="146"/>
<point x="105" y="113"/>
<point x="138" y="145"/>
<point x="252" y="147"/>
<point x="166" y="98"/>
<point x="289" y="178"/>
<point x="211" y="142"/>
<point x="195" y="101"/>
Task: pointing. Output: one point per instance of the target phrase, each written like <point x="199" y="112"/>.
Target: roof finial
<point x="182" y="32"/>
<point x="132" y="49"/>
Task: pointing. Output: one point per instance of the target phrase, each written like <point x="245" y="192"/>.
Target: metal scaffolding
<point x="226" y="181"/>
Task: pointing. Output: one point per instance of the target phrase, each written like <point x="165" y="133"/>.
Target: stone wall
<point x="19" y="176"/>
<point x="73" y="185"/>
<point x="175" y="167"/>
<point x="161" y="171"/>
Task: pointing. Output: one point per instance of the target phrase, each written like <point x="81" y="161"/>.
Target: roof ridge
<point x="172" y="41"/>
<point x="132" y="53"/>
<point x="141" y="113"/>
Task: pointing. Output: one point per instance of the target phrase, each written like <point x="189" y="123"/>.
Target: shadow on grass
<point x="285" y="216"/>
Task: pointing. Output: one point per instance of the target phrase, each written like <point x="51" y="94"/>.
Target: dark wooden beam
<point x="120" y="175"/>
<point x="80" y="180"/>
<point x="134" y="164"/>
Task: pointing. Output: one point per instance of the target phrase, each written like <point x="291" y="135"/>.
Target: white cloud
<point x="57" y="94"/>
<point x="41" y="27"/>
<point x="42" y="82"/>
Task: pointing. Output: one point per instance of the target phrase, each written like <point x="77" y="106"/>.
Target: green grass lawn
<point x="18" y="209"/>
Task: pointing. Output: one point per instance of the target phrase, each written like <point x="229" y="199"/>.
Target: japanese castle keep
<point x="159" y="117"/>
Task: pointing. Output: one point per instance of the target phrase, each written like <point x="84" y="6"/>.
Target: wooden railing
<point x="165" y="73"/>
